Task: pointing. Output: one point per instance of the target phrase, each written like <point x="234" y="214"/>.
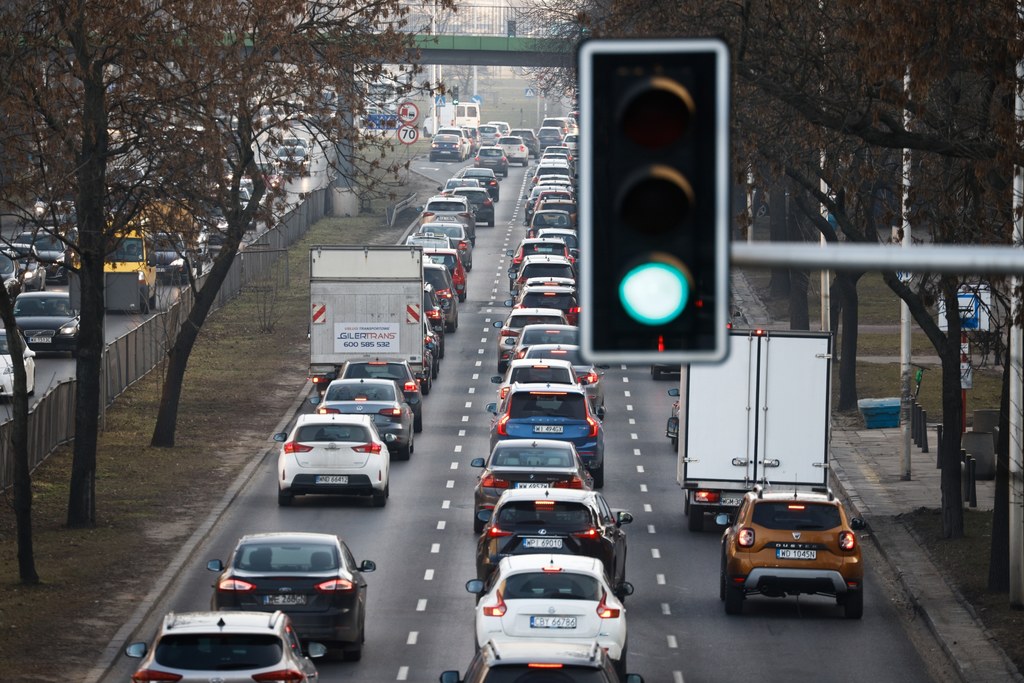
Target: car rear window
<point x="543" y="373"/>
<point x="541" y="336"/>
<point x="286" y="556"/>
<point x="529" y="673"/>
<point x="446" y="229"/>
<point x="532" y="456"/>
<point x="447" y="260"/>
<point x="357" y="391"/>
<point x="446" y="206"/>
<point x="570" y="241"/>
<point x="796" y="515"/>
<point x="219" y="651"/>
<point x="572" y="355"/>
<point x="385" y="370"/>
<point x="542" y="248"/>
<point x="510" y="140"/>
<point x="546" y="270"/>
<point x="551" y="220"/>
<point x="549" y="404"/>
<point x="332" y="432"/>
<point x="436" y="277"/>
<point x="491" y="153"/>
<point x="476" y="197"/>
<point x="562" y="302"/>
<point x="531" y="319"/>
<point x="527" y="513"/>
<point x="552" y="585"/>
<point x="490" y="130"/>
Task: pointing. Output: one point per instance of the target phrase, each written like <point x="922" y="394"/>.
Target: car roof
<point x="583" y="563"/>
<point x="440" y="250"/>
<point x="803" y="495"/>
<point x="443" y="198"/>
<point x="546" y="258"/>
<point x="332" y="418"/>
<point x="531" y="362"/>
<point x="554" y="312"/>
<point x="546" y="387"/>
<point x="550" y="327"/>
<point x="45" y="294"/>
<point x="543" y="288"/>
<point x="534" y="443"/>
<point x="224" y="620"/>
<point x="290" y="536"/>
<point x="365" y="380"/>
<point x="558" y="495"/>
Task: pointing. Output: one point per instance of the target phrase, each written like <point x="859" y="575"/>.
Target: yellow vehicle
<point x="130" y="274"/>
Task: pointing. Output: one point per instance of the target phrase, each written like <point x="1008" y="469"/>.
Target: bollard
<point x="938" y="448"/>
<point x="915" y="420"/>
<point x="973" y="480"/>
<point x="924" y="431"/>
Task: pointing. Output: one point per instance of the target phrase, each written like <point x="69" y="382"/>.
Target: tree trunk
<point x="778" y="231"/>
<point x="999" y="551"/>
<point x="952" y="423"/>
<point x="799" y="280"/>
<point x="847" y="291"/>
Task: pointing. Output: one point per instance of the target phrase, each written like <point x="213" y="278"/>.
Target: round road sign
<point x="408" y="134"/>
<point x="408" y="112"/>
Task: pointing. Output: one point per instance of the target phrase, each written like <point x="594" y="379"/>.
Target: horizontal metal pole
<point x="953" y="259"/>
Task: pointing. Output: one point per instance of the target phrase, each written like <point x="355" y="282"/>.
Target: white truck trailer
<point x="365" y="304"/>
<point x="762" y="416"/>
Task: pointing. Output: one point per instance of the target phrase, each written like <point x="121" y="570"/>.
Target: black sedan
<point x="311" y="577"/>
<point x="47" y="321"/>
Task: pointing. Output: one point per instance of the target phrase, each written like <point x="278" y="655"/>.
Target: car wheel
<point x="490" y="223"/>
<point x="462" y="298"/>
<point x="440" y="351"/>
<point x="379" y="499"/>
<point x="478" y="524"/>
<point x="598" y="475"/>
<point x="733" y="599"/>
<point x="435" y="367"/>
<point x="695" y="520"/>
<point x="284" y="498"/>
<point x="853" y="604"/>
<point x="722" y="582"/>
<point x="620" y="665"/>
<point x="417" y="423"/>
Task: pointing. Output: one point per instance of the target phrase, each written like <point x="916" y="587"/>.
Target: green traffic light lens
<point x="655" y="292"/>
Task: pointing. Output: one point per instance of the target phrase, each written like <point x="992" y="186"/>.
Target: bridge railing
<point x="482" y="20"/>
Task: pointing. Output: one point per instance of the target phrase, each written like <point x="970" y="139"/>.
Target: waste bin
<point x="880" y="412"/>
<point x="980" y="446"/>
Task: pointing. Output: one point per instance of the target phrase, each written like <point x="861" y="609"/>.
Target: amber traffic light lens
<point x="656" y="201"/>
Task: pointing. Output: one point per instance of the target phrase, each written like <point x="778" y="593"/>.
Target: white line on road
<point x="672" y="644"/>
<point x="469" y="404"/>
<point x="633" y="436"/>
<point x="632" y="421"/>
<point x="465" y="418"/>
<point x="450" y="484"/>
<point x="472" y="390"/>
<point x="639" y="469"/>
<point x="441" y="524"/>
<point x="626" y="380"/>
<point x="629" y="406"/>
<point x="648" y="508"/>
<point x="428" y="575"/>
<point x="626" y="394"/>
<point x="435" y="548"/>
<point x="665" y="609"/>
<point x="677" y="677"/>
<point x="476" y="375"/>
<point x="462" y="432"/>
<point x="655" y="554"/>
<point x="421" y="605"/>
<point x="413" y="636"/>
<point x="479" y="363"/>
<point x="650" y="529"/>
<point x="458" y="448"/>
<point x="446" y="504"/>
<point x="636" y="451"/>
<point x="403" y="673"/>
<point x="659" y="579"/>
<point x="643" y="488"/>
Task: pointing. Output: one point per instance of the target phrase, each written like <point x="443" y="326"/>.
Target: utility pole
<point x="1016" y="483"/>
<point x="905" y="346"/>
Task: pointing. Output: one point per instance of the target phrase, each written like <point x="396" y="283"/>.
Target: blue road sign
<point x="439" y="100"/>
<point x="529" y="92"/>
<point x="479" y="99"/>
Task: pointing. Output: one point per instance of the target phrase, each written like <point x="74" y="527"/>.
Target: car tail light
<point x="476" y="159"/>
<point x="426" y="215"/>
<point x="488" y="202"/>
<point x="498" y="609"/>
<point x="509" y="333"/>
<point x="574" y="483"/>
<point x="235" y="586"/>
<point x="522" y="148"/>
<point x="503" y="392"/>
<point x="327" y="411"/>
<point x="409" y="385"/>
<point x="501" y="428"/>
<point x="367" y="448"/>
<point x="434" y="314"/>
<point x="282" y="676"/>
<point x="594" y="425"/>
<point x="496" y="532"/>
<point x="296" y="447"/>
<point x="606" y="612"/>
<point x="149" y="675"/>
<point x="335" y="586"/>
<point x="745" y="538"/>
<point x="463" y="245"/>
<point x="590" y="378"/>
<point x="493" y="482"/>
<point x="543" y="665"/>
<point x="445" y="293"/>
<point x="391" y="412"/>
<point x="574" y="310"/>
<point x="706" y="496"/>
<point x="847" y="540"/>
<point x="592" y="532"/>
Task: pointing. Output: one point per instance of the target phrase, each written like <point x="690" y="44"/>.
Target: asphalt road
<point x="419" y="619"/>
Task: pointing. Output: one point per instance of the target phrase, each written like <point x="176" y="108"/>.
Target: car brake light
<point x="409" y="385"/>
<point x="590" y="378"/>
<point x="296" y="447"/>
<point x="574" y="310"/>
<point x="606" y="612"/>
<point x="434" y="314"/>
<point x="495" y="532"/>
<point x="427" y="214"/>
<point x="476" y="159"/>
<point x="496" y="610"/>
<point x="334" y="586"/>
<point x="282" y="676"/>
<point x="493" y="482"/>
<point x="509" y="333"/>
<point x="847" y="540"/>
<point x="745" y="538"/>
<point x="149" y="675"/>
<point x="592" y="532"/>
<point x="444" y="293"/>
<point x="367" y="448"/>
<point x="543" y="665"/>
<point x="236" y="586"/>
<point x="503" y="392"/>
<point x="706" y="496"/>
<point x="463" y="245"/>
<point x="327" y="411"/>
<point x="594" y="425"/>
<point x="522" y="148"/>
<point x="488" y="202"/>
<point x="574" y="483"/>
<point x="501" y="428"/>
<point x="391" y="412"/>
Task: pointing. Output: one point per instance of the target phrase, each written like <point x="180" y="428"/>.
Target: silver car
<point x="225" y="646"/>
<point x="382" y="400"/>
<point x="589" y="375"/>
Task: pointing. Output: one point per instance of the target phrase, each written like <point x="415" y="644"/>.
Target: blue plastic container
<point x="879" y="413"/>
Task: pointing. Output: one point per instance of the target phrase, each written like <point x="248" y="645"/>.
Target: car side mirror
<point x="633" y="678"/>
<point x="623" y="589"/>
<point x="475" y="586"/>
<point x="419" y="209"/>
<point x="496" y="379"/>
<point x="509" y="253"/>
<point x="138" y="650"/>
<point x="476" y="462"/>
<point x="315" y="650"/>
<point x="858" y="524"/>
<point x="623" y="517"/>
<point x="367" y="566"/>
<point x="722" y="519"/>
<point x="497" y="324"/>
<point x="673" y="392"/>
<point x="315" y="400"/>
<point x="215" y="566"/>
<point x="281" y="437"/>
<point x="453" y="677"/>
<point x="484" y="516"/>
<point x="509" y="303"/>
<point x="491" y="408"/>
<point x="603" y="366"/>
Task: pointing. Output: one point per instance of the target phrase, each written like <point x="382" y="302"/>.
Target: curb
<point x="129" y="630"/>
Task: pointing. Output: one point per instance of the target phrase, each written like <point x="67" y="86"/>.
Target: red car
<point x="452" y="260"/>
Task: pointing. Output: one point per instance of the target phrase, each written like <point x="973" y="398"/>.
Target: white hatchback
<point x="552" y="597"/>
<point x="7" y="367"/>
<point x="515" y="150"/>
<point x="333" y="454"/>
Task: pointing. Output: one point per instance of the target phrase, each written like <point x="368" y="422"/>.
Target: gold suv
<point x="787" y="543"/>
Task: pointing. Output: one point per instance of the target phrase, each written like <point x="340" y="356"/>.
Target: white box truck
<point x="762" y="416"/>
<point x="366" y="303"/>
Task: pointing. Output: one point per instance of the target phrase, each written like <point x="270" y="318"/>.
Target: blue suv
<point x="551" y="411"/>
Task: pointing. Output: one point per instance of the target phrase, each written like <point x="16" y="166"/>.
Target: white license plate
<point x="531" y="485"/>
<point x="284" y="599"/>
<point x="40" y="340"/>
<point x="545" y="543"/>
<point x="795" y="554"/>
<point x="732" y="502"/>
<point x="552" y="622"/>
<point x="547" y="429"/>
<point x="332" y="479"/>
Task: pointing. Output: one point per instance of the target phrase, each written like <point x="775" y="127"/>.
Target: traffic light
<point x="455" y="94"/>
<point x="654" y="200"/>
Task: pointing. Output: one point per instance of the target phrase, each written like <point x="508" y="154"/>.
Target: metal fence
<point x="130" y="357"/>
<point x="484" y="20"/>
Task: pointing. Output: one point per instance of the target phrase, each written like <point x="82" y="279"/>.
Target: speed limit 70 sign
<point x="408" y="135"/>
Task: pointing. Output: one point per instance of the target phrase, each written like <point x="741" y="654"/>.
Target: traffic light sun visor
<point x="658" y="112"/>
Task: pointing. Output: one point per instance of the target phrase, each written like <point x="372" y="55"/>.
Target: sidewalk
<point x="866" y="469"/>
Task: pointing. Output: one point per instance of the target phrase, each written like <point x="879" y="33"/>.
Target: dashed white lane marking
<point x="626" y="394"/>
<point x="476" y="375"/>
<point x="677" y="677"/>
<point x="446" y="504"/>
<point x="623" y="367"/>
<point x="648" y="508"/>
<point x="413" y="637"/>
<point x="650" y="529"/>
<point x="458" y="448"/>
<point x="486" y="320"/>
<point x="636" y="451"/>
<point x="665" y="609"/>
<point x="450" y="484"/>
<point x="428" y="575"/>
<point x="462" y="432"/>
<point x="483" y="340"/>
<point x="672" y="644"/>
<point x="441" y="524"/>
<point x="633" y="436"/>
<point x="632" y="421"/>
<point x="629" y="406"/>
<point x="479" y="363"/>
<point x="655" y="554"/>
<point x="639" y="469"/>
<point x="403" y="673"/>
<point x="469" y="404"/>
<point x="435" y="548"/>
<point x="465" y="418"/>
<point x="659" y="579"/>
<point x="625" y="380"/>
<point x="643" y="488"/>
<point x="480" y="351"/>
<point x="472" y="390"/>
<point x="421" y="605"/>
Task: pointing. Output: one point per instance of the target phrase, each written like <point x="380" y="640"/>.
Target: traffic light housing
<point x="654" y="200"/>
<point x="455" y="95"/>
